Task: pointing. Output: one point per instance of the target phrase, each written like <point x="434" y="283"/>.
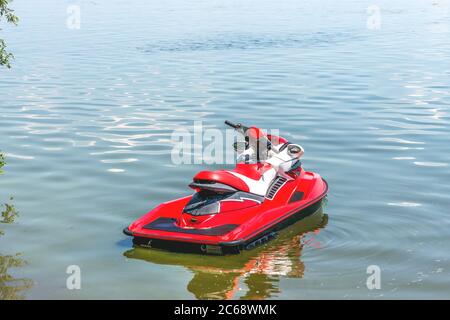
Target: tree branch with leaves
<point x="8" y="14"/>
<point x="2" y="161"/>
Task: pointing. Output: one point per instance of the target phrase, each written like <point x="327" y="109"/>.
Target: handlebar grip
<point x="231" y="124"/>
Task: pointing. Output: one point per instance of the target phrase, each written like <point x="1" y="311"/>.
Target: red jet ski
<point x="233" y="210"/>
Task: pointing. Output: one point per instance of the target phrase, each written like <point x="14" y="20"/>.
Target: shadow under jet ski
<point x="260" y="269"/>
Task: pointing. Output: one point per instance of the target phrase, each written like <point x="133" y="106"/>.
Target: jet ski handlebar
<point x="236" y="126"/>
<point x="233" y="125"/>
<point x="244" y="130"/>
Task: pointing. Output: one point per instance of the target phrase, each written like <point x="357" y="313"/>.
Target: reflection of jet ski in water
<point x="258" y="270"/>
<point x="237" y="209"/>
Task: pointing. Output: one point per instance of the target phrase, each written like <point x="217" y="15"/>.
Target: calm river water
<point x="86" y="117"/>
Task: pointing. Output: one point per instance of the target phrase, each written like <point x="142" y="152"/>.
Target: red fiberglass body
<point x="230" y="218"/>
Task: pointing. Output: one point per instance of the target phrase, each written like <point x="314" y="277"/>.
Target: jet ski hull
<point x="244" y="227"/>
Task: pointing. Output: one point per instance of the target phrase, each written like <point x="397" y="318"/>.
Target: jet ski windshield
<point x="205" y="202"/>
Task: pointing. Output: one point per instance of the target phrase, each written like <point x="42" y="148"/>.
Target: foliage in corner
<point x="11" y="288"/>
<point x="8" y="14"/>
<point x="8" y="215"/>
<point x="2" y="162"/>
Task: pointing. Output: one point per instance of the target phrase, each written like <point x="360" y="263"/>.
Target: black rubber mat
<point x="168" y="224"/>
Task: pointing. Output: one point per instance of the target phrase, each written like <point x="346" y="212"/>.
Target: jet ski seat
<point x="211" y="179"/>
<point x="254" y="179"/>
